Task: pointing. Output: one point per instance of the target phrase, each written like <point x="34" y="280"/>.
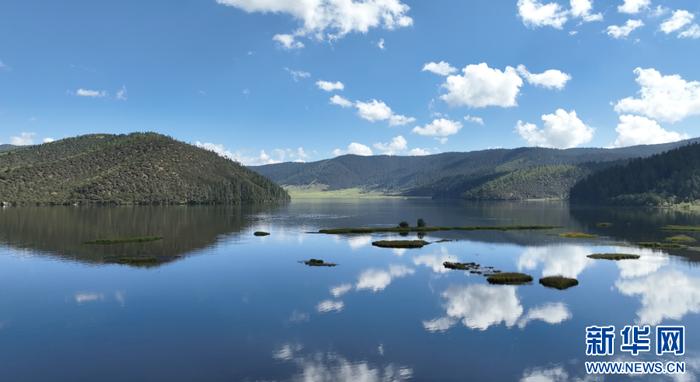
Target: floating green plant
<point x="509" y="278"/>
<point x="400" y="243"/>
<point x="613" y="256"/>
<point x="558" y="282"/>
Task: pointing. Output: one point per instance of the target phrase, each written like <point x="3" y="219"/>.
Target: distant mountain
<point x="139" y="168"/>
<point x="7" y="147"/>
<point x="671" y="177"/>
<point x="497" y="174"/>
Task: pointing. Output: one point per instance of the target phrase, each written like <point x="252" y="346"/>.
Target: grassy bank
<point x="321" y="192"/>
<point x="366" y="230"/>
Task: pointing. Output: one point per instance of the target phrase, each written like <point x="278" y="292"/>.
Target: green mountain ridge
<point x="138" y="168"/>
<point x="494" y="174"/>
<point x="667" y="178"/>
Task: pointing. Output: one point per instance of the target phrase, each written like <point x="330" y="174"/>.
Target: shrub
<point x="404" y="224"/>
<point x="420" y="223"/>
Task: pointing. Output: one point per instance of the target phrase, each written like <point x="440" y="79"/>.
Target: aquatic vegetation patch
<point x="125" y="240"/>
<point x="613" y="256"/>
<point x="681" y="239"/>
<point x="558" y="282"/>
<point x="406" y="229"/>
<point x="261" y="233"/>
<point x="509" y="278"/>
<point x="400" y="243"/>
<point x="460" y="266"/>
<point x="603" y="224"/>
<point x="657" y="245"/>
<point x="318" y="263"/>
<point x="578" y="235"/>
<point x="145" y="261"/>
<point x="688" y="228"/>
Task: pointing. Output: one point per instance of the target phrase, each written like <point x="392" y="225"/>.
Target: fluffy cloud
<point x="482" y="86"/>
<point x="435" y="261"/>
<point x="23" y="139"/>
<point x="340" y="101"/>
<point x="622" y="31"/>
<point x="90" y="93"/>
<point x="375" y="111"/>
<point x="418" y="152"/>
<point x="121" y="94"/>
<point x="354" y="148"/>
<point x="327" y="306"/>
<point x="277" y="155"/>
<point x="635" y="130"/>
<point x="668" y="295"/>
<point x="561" y="130"/>
<point x="583" y="10"/>
<point x="378" y="279"/>
<point x="298" y="75"/>
<point x="330" y="86"/>
<point x="397" y="145"/>
<point x="679" y="19"/>
<point x="381" y="44"/>
<point x="481" y="306"/>
<point x="551" y="313"/>
<point x="330" y="19"/>
<point x="440" y="127"/>
<point x="441" y="68"/>
<point x="537" y="14"/>
<point x="287" y="41"/>
<point x="667" y="98"/>
<point x="474" y="119"/>
<point x="340" y="290"/>
<point x="48" y="140"/>
<point x="563" y="260"/>
<point x="550" y="79"/>
<point x="633" y="6"/>
<point x="692" y="32"/>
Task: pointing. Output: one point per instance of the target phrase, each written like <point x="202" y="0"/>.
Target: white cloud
<point x="560" y="260"/>
<point x="441" y="68"/>
<point x="692" y="32"/>
<point x="378" y="279"/>
<point x="298" y="75"/>
<point x="397" y="145"/>
<point x="481" y="86"/>
<point x="48" y="140"/>
<point x="418" y="152"/>
<point x="340" y="290"/>
<point x="90" y="93"/>
<point x="331" y="19"/>
<point x="354" y="148"/>
<point x="635" y="130"/>
<point x="679" y="19"/>
<point x="287" y="41"/>
<point x="668" y="295"/>
<point x="551" y="313"/>
<point x="380" y="44"/>
<point x="83" y="297"/>
<point x="340" y="101"/>
<point x="440" y="127"/>
<point x="375" y="111"/>
<point x="474" y="119"/>
<point x="121" y="94"/>
<point x="561" y="130"/>
<point x="330" y="86"/>
<point x="4" y="66"/>
<point x="481" y="306"/>
<point x="582" y="9"/>
<point x="23" y="139"/>
<point x="633" y="6"/>
<point x="667" y="98"/>
<point x="327" y="306"/>
<point x="439" y="324"/>
<point x="623" y="31"/>
<point x="277" y="156"/>
<point x="537" y="14"/>
<point x="550" y="79"/>
<point x="435" y="261"/>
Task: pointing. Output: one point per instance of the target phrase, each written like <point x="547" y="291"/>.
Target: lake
<point x="213" y="302"/>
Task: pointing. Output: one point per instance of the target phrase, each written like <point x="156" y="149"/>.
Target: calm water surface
<point x="218" y="304"/>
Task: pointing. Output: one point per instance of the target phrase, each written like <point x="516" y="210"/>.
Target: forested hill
<point x="7" y="147"/>
<point x="522" y="173"/>
<point x="139" y="168"/>
<point x="667" y="178"/>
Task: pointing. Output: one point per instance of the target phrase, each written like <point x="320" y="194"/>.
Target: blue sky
<point x="233" y="76"/>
